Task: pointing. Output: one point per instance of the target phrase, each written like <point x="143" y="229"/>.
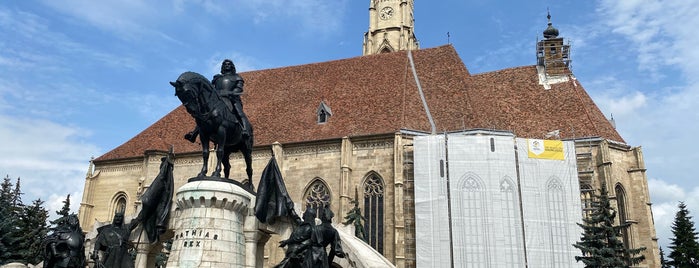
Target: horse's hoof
<point x="249" y="186"/>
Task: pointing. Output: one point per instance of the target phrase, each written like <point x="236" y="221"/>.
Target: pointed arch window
<point x="621" y="209"/>
<point x="374" y="210"/>
<point x="317" y="194"/>
<point x="511" y="222"/>
<point x="469" y="222"/>
<point x="586" y="193"/>
<point x="556" y="206"/>
<point x="119" y="202"/>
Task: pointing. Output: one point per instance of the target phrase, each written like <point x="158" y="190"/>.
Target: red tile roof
<point x="377" y="94"/>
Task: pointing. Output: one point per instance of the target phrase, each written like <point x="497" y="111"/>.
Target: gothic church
<point x="334" y="135"/>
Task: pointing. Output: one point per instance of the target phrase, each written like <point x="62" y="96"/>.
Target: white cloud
<point x="122" y="17"/>
<point x="50" y="159"/>
<point x="618" y="98"/>
<point x="665" y="198"/>
<point x="312" y="15"/>
<point x="655" y="107"/>
<point x="55" y="203"/>
<point x="662" y="32"/>
<point x="54" y="51"/>
<point x="243" y="63"/>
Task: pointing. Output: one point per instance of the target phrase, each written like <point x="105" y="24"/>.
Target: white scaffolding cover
<point x="490" y="224"/>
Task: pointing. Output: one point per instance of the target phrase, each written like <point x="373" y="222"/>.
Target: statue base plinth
<point x="209" y="224"/>
<point x="220" y="179"/>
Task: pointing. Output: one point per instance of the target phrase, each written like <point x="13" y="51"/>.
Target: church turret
<point x="391" y="27"/>
<point x="553" y="57"/>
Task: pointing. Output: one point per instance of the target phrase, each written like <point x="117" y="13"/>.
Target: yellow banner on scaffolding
<point x="546" y="149"/>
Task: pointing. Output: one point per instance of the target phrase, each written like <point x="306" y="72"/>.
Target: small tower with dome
<point x="553" y="56"/>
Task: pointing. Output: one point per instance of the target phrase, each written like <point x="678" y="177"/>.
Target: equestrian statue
<point x="218" y="113"/>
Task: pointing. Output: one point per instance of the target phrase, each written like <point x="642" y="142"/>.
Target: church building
<point x="334" y="135"/>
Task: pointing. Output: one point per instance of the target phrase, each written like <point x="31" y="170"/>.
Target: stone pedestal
<point x="209" y="225"/>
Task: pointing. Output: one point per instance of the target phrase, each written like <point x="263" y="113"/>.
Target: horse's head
<point x="187" y="89"/>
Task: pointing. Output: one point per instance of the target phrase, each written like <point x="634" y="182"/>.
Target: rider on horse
<point x="229" y="85"/>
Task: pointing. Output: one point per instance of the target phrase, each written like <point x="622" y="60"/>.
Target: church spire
<point x="391" y="27"/>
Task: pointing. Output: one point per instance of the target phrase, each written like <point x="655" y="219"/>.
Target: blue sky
<point x="80" y="77"/>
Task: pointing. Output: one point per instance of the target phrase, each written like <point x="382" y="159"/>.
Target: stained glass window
<point x="374" y="210"/>
<point x="621" y="208"/>
<point x="317" y="195"/>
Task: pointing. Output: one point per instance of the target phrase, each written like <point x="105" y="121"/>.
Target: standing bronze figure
<point x="354" y="216"/>
<point x="64" y="247"/>
<point x="157" y="200"/>
<point x="216" y="122"/>
<point x="115" y="241"/>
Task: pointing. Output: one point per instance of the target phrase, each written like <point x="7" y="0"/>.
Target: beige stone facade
<point x="345" y="164"/>
<point x="341" y="165"/>
<point x="621" y="169"/>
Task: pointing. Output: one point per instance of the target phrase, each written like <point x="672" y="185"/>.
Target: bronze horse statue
<point x="216" y="123"/>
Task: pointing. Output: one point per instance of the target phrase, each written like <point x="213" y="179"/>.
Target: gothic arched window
<point x="469" y="221"/>
<point x="119" y="203"/>
<point x="586" y="193"/>
<point x="373" y="210"/>
<point x="316" y="195"/>
<point x="556" y="204"/>
<point x="621" y="211"/>
<point x="511" y="231"/>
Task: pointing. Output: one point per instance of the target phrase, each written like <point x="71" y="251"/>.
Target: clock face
<point x="386" y="13"/>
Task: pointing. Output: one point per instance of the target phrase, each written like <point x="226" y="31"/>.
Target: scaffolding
<point x="554" y="56"/>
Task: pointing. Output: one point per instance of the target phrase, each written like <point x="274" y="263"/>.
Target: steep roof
<point x="377" y="94"/>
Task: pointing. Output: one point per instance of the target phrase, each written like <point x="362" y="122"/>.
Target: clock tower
<point x="391" y="27"/>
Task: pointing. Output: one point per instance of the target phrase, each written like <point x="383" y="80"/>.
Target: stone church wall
<point x="343" y="165"/>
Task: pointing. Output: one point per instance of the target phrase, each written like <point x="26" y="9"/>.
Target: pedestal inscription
<point x="209" y="225"/>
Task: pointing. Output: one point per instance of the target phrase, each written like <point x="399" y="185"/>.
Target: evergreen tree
<point x="34" y="231"/>
<point x="10" y="220"/>
<point x="17" y="196"/>
<point x="684" y="247"/>
<point x="64" y="212"/>
<point x="600" y="243"/>
<point x="663" y="261"/>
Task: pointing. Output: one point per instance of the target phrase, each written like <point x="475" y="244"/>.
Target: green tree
<point x="663" y="261"/>
<point x="600" y="243"/>
<point x="33" y="230"/>
<point x="64" y="212"/>
<point x="10" y="220"/>
<point x="684" y="247"/>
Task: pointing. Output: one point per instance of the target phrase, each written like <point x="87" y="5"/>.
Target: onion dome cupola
<point x="550" y="32"/>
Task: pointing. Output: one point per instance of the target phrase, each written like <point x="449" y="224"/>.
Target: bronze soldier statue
<point x="114" y="240"/>
<point x="64" y="247"/>
<point x="299" y="242"/>
<point x="330" y="235"/>
<point x="354" y="216"/>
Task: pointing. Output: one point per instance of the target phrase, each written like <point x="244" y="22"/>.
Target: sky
<point x="80" y="77"/>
